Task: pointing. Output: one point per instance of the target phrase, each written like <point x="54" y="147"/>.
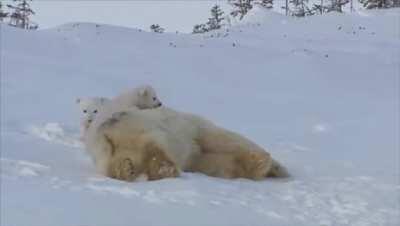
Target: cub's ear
<point x="78" y="100"/>
<point x="143" y="91"/>
<point x="103" y="100"/>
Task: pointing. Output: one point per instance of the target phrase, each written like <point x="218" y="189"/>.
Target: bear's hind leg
<point x="253" y="165"/>
<point x="233" y="154"/>
<point x="213" y="164"/>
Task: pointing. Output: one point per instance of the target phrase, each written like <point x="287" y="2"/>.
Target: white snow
<point x="321" y="94"/>
<point x="54" y="132"/>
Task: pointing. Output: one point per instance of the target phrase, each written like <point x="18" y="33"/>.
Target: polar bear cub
<point x="142" y="97"/>
<point x="89" y="108"/>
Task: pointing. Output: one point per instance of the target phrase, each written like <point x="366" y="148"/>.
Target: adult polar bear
<point x="161" y="142"/>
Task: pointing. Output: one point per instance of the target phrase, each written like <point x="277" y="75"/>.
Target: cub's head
<point x="90" y="107"/>
<point x="147" y="98"/>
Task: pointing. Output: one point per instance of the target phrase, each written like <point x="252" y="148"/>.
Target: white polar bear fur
<point x="89" y="107"/>
<point x="191" y="142"/>
<point x="142" y="97"/>
<point x="163" y="125"/>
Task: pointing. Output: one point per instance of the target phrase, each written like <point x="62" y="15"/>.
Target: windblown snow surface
<point x="320" y="94"/>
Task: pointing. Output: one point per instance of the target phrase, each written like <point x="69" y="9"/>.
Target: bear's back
<point x="174" y="133"/>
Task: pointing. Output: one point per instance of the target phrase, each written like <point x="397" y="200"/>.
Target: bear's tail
<point x="277" y="170"/>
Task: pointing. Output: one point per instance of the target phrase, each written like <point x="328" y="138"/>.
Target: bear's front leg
<point x="123" y="167"/>
<point x="158" y="164"/>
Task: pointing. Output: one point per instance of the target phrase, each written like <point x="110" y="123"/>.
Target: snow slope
<point x="321" y="94"/>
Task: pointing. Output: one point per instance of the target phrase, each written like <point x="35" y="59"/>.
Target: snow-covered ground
<point x="321" y="94"/>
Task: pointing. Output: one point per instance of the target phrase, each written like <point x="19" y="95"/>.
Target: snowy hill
<point x="321" y="94"/>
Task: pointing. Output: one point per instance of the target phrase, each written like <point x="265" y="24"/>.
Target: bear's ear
<point x="102" y="100"/>
<point x="143" y="91"/>
<point x="78" y="100"/>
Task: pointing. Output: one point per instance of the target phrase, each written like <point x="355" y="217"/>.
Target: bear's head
<point x="147" y="98"/>
<point x="90" y="107"/>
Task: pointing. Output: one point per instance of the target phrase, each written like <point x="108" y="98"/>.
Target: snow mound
<point x="262" y="15"/>
<point x="20" y="168"/>
<point x="54" y="132"/>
